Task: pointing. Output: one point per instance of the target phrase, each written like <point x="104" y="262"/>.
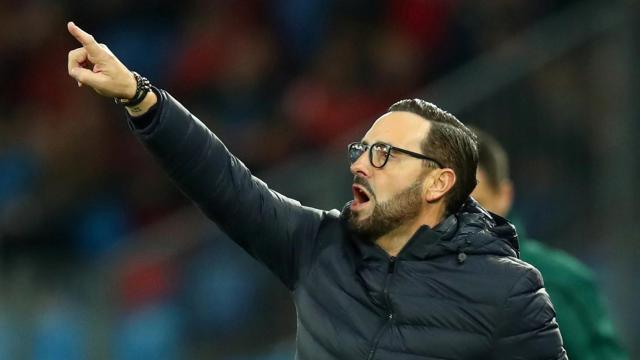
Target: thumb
<point x="85" y="76"/>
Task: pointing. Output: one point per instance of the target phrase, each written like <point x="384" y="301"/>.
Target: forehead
<point x="399" y="128"/>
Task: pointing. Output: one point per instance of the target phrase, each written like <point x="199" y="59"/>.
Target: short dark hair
<point x="493" y="158"/>
<point x="451" y="143"/>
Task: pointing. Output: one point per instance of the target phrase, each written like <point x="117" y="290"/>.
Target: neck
<point x="394" y="241"/>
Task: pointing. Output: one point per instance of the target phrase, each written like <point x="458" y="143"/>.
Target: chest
<point x="381" y="308"/>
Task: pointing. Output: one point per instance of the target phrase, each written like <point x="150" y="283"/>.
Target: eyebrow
<point x="365" y="142"/>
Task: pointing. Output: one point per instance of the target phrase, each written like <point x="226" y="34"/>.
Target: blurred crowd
<point x="101" y="257"/>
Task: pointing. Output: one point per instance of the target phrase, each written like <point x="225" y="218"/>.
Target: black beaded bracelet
<point x="143" y="86"/>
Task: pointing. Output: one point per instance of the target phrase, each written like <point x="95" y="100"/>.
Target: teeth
<point x="363" y="197"/>
<point x="360" y="196"/>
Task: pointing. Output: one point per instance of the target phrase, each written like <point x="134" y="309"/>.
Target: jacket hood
<point x="472" y="230"/>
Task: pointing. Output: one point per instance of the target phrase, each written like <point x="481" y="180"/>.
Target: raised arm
<point x="94" y="65"/>
<point x="274" y="229"/>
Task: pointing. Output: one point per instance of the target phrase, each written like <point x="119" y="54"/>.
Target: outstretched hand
<point x="94" y="65"/>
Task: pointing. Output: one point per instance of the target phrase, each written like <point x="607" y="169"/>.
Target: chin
<point x="362" y="214"/>
<point x="359" y="218"/>
<point x="360" y="222"/>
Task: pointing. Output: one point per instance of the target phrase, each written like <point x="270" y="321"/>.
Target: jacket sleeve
<point x="272" y="228"/>
<point x="528" y="328"/>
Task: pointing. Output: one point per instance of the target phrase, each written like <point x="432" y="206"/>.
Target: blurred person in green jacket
<point x="587" y="331"/>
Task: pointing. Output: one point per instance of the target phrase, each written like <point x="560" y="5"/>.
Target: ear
<point x="439" y="183"/>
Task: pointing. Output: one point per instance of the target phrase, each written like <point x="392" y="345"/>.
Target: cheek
<point x="386" y="188"/>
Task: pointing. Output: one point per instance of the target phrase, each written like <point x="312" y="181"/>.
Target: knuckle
<point x="81" y="76"/>
<point x="75" y="53"/>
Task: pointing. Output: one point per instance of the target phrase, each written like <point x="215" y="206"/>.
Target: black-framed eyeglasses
<point x="379" y="153"/>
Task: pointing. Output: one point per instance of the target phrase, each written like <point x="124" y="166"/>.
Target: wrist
<point x="132" y="87"/>
<point x="140" y="109"/>
<point x="142" y="88"/>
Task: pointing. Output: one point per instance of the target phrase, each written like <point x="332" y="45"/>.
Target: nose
<point x="361" y="166"/>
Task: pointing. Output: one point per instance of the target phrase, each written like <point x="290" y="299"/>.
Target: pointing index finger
<point x="82" y="36"/>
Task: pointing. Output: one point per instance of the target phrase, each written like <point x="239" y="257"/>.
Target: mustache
<point x="364" y="183"/>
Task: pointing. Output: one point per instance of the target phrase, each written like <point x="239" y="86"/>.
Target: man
<point x="587" y="331"/>
<point x="411" y="268"/>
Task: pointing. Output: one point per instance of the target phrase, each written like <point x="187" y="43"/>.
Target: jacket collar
<point x="471" y="230"/>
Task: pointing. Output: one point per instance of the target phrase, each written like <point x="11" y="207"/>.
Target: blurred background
<point x="102" y="258"/>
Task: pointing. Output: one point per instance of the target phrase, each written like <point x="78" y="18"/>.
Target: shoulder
<point x="504" y="277"/>
<point x="490" y="279"/>
<point x="331" y="219"/>
<point x="512" y="266"/>
<point x="332" y="227"/>
<point x="525" y="294"/>
<point x="518" y="274"/>
<point x="333" y="214"/>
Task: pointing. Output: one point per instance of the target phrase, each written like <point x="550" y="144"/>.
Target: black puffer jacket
<point x="457" y="291"/>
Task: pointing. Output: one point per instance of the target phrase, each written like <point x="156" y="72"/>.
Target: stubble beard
<point x="389" y="215"/>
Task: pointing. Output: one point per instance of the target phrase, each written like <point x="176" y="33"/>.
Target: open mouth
<point x="360" y="197"/>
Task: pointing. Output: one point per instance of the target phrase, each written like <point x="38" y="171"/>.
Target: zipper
<point x="389" y="315"/>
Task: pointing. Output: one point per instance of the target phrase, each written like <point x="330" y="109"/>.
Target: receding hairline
<point x="427" y="123"/>
<point x="406" y="112"/>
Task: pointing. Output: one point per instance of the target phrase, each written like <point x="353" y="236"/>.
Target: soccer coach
<point x="411" y="268"/>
